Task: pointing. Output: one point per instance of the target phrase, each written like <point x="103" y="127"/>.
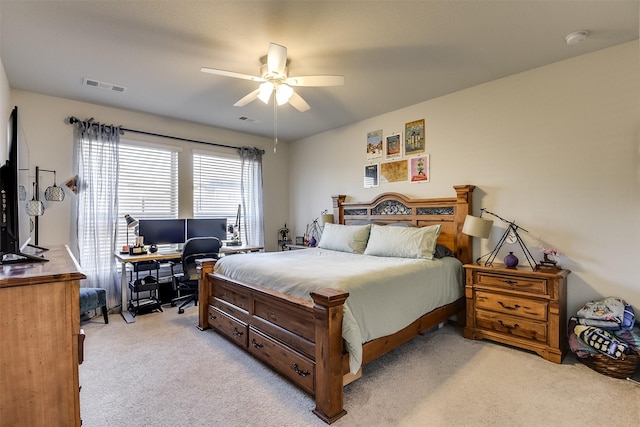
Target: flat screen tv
<point x="15" y="223"/>
<point x="207" y="227"/>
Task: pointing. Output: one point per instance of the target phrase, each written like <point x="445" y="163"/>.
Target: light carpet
<point x="163" y="371"/>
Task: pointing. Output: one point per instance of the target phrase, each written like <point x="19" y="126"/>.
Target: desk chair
<point x="187" y="281"/>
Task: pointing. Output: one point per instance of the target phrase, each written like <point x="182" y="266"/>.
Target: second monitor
<point x="207" y="227"/>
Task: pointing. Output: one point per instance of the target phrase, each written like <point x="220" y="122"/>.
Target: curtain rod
<point x="71" y="120"/>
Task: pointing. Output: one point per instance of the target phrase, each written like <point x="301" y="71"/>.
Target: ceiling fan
<point x="274" y="78"/>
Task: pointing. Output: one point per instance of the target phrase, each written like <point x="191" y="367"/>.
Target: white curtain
<point x="95" y="210"/>
<point x="252" y="224"/>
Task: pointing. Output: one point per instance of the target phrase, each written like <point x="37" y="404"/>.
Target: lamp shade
<point x="327" y="219"/>
<point x="131" y="221"/>
<point x="477" y="227"/>
<point x="54" y="193"/>
<point x="35" y="207"/>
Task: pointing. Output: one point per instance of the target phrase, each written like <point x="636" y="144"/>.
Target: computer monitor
<point x="207" y="227"/>
<point x="162" y="231"/>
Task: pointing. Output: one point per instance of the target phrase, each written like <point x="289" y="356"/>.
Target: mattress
<point x="385" y="294"/>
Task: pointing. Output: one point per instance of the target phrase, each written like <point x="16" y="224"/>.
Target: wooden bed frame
<point x="303" y="340"/>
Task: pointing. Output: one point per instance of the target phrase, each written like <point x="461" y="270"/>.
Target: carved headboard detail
<point x="390" y="208"/>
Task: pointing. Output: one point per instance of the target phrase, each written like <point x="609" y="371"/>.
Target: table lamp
<point x="131" y="222"/>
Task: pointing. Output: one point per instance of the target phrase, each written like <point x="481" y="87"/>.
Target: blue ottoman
<point x="93" y="298"/>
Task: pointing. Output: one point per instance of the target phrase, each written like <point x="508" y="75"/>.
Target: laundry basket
<point x="624" y="367"/>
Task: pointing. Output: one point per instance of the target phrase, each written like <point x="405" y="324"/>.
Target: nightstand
<point x="518" y="307"/>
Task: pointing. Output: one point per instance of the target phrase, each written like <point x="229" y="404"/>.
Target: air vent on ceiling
<point x="103" y="85"/>
<point x="248" y="120"/>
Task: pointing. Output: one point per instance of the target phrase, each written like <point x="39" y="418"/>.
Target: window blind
<point x="147" y="184"/>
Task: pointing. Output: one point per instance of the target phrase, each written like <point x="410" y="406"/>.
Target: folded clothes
<point x="602" y="324"/>
<point x="610" y="308"/>
<point x="602" y="341"/>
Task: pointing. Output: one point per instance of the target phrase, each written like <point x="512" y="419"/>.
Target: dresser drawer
<point x="522" y="284"/>
<point x="512" y="305"/>
<point x="233" y="296"/>
<point x="229" y="326"/>
<point x="289" y="363"/>
<point x="516" y="326"/>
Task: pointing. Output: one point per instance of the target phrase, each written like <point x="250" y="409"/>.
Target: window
<point x="147" y="184"/>
<point x="216" y="186"/>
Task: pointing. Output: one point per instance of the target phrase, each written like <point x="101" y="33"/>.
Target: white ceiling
<point x="393" y="54"/>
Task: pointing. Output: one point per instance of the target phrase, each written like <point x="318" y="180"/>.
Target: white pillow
<point x="345" y="238"/>
<point x="403" y="242"/>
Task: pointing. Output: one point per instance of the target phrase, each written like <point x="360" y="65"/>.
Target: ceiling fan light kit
<point x="274" y="77"/>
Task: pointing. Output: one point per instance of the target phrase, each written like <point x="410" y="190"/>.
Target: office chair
<point x="187" y="281"/>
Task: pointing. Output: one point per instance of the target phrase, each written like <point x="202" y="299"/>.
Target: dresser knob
<point x="237" y="333"/>
<point x="212" y="317"/>
<point x="516" y="326"/>
<point x="256" y="344"/>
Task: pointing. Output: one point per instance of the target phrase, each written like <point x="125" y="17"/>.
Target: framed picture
<point x="371" y="176"/>
<point x="374" y="144"/>
<point x="393" y="147"/>
<point x="299" y="240"/>
<point x="419" y="169"/>
<point x="393" y="171"/>
<point x="414" y="142"/>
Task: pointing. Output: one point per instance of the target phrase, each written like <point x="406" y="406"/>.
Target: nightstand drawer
<point x="512" y="325"/>
<point x="522" y="284"/>
<point x="515" y="306"/>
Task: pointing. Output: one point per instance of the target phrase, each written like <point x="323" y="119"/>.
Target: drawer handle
<point x="298" y="371"/>
<point x="509" y="307"/>
<point x="256" y="344"/>
<point x="510" y="282"/>
<point x="516" y="326"/>
<point x="212" y="317"/>
<point x="237" y="333"/>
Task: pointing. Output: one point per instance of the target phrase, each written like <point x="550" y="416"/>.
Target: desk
<point x="124" y="259"/>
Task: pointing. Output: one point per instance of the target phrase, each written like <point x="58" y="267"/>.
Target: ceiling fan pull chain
<point x="275" y="126"/>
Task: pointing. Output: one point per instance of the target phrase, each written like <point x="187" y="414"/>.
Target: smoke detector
<point x="576" y="37"/>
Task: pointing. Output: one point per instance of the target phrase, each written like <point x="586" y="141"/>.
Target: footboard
<point x="299" y="339"/>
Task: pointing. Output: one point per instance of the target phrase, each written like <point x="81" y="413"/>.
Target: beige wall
<point x="50" y="143"/>
<point x="556" y="149"/>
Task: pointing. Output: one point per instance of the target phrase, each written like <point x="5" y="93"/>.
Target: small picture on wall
<point x="374" y="144"/>
<point x="419" y="169"/>
<point x="414" y="142"/>
<point x="393" y="148"/>
<point x="393" y="171"/>
<point x="371" y="176"/>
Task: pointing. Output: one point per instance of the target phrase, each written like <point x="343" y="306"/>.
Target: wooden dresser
<point x="41" y="342"/>
<point x="518" y="307"/>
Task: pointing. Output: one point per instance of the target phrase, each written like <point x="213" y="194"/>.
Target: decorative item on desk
<point x="549" y="262"/>
<point x="511" y="261"/>
<point x="312" y="241"/>
<point x="283" y="233"/>
<point x="473" y="227"/>
<point x="235" y="230"/>
<point x="299" y="240"/>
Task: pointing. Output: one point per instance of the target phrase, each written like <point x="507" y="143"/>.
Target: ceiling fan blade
<point x="231" y="74"/>
<point x="252" y="96"/>
<point x="276" y="58"/>
<point x="316" y="81"/>
<point x="298" y="103"/>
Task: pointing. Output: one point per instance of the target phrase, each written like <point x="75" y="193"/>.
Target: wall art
<point x="371" y="175"/>
<point x="393" y="171"/>
<point x="419" y="169"/>
<point x="393" y="146"/>
<point x="414" y="140"/>
<point x="374" y="144"/>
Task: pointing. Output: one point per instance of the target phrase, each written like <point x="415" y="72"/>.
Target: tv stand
<point x="20" y="258"/>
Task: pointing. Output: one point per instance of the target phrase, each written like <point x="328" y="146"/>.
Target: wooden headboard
<point x="389" y="208"/>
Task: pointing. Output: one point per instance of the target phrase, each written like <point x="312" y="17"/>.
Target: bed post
<point x="329" y="390"/>
<point x="338" y="215"/>
<point x="463" y="208"/>
<point x="205" y="266"/>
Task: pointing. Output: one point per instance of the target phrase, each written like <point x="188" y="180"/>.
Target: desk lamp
<point x="479" y="227"/>
<point x="131" y="222"/>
